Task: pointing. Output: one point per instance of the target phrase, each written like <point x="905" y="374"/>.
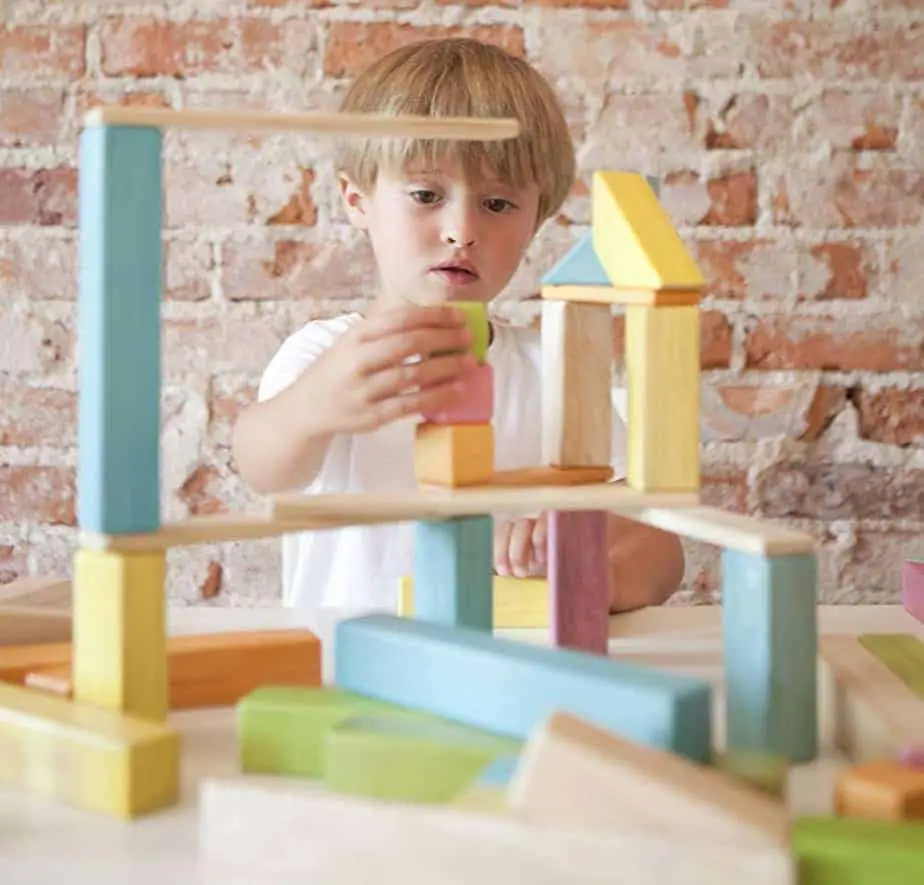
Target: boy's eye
<point x="498" y="204"/>
<point x="424" y="197"/>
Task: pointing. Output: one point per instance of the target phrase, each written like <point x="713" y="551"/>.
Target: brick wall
<point x="789" y="137"/>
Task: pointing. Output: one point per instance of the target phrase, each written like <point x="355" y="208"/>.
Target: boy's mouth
<point x="456" y="273"/>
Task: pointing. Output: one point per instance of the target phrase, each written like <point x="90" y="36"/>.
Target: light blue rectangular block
<point x="511" y="687"/>
<point x="453" y="572"/>
<point x="771" y="652"/>
<point x="118" y="477"/>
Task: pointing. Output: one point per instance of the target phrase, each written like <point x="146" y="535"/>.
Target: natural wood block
<point x="551" y="476"/>
<point x="912" y="594"/>
<point x="612" y="295"/>
<point x="574" y="774"/>
<point x="760" y="770"/>
<point x="474" y="403"/>
<point x="577" y="360"/>
<point x="579" y="579"/>
<point x="218" y="669"/>
<point x="37" y="592"/>
<point x="663" y="376"/>
<point x="23" y="625"/>
<point x="18" y="661"/>
<point x="120" y="653"/>
<point x="902" y="653"/>
<point x="86" y="756"/>
<point x="881" y="790"/>
<point x="453" y="454"/>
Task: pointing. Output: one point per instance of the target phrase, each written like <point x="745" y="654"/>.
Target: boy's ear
<point x="354" y="202"/>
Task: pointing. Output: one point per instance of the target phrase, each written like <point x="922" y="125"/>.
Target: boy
<point x="446" y="221"/>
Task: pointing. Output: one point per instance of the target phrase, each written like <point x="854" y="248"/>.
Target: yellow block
<point x="663" y="377"/>
<point x="518" y="602"/>
<point x="634" y="237"/>
<point x="85" y="756"/>
<point x="120" y="649"/>
<point x="453" y="454"/>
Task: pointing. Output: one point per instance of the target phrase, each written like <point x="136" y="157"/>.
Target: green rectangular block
<point x="476" y="315"/>
<point x="852" y="851"/>
<point x="902" y="653"/>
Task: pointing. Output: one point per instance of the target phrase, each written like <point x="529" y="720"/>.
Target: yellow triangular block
<point x="634" y="238"/>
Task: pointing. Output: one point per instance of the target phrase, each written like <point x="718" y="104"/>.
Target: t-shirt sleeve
<point x="294" y="357"/>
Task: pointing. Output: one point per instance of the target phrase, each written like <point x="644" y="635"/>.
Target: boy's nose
<point x="458" y="238"/>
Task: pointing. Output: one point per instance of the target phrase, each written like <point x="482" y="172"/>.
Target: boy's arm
<point x="646" y="564"/>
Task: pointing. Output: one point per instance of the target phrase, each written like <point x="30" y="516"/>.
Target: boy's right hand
<point x="382" y="369"/>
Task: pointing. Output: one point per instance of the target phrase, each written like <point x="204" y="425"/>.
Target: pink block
<point x="579" y="582"/>
<point x="475" y="403"/>
<point x="913" y="757"/>
<point x="913" y="588"/>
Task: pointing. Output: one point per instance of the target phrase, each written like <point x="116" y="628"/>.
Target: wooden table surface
<point x="44" y="843"/>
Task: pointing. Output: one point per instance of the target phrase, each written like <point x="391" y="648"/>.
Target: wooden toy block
<point x="453" y="572"/>
<point x="85" y="756"/>
<point x="874" y="714"/>
<point x="487" y="793"/>
<point x="551" y="476"/>
<point x="266" y="828"/>
<point x="852" y="851"/>
<point x="913" y="756"/>
<point x="281" y="729"/>
<point x="625" y="297"/>
<point x="24" y="625"/>
<point x="579" y="579"/>
<point x="453" y="454"/>
<point x="903" y="654"/>
<point x="518" y="602"/>
<point x="218" y="669"/>
<point x="764" y="772"/>
<point x="509" y="687"/>
<point x="408" y="759"/>
<point x="18" y="661"/>
<point x="770" y="640"/>
<point x="120" y="655"/>
<point x="634" y="238"/>
<point x="573" y="774"/>
<point x="37" y="592"/>
<point x="475" y="402"/>
<point x="476" y="316"/>
<point x="912" y="594"/>
<point x="880" y="790"/>
<point x="663" y="377"/>
<point x="579" y="268"/>
<point x="120" y="187"/>
<point x="577" y="359"/>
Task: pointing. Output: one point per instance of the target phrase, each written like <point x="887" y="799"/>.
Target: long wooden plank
<point x="37" y="591"/>
<point x="20" y="625"/>
<point x="411" y="126"/>
<point x="293" y="832"/>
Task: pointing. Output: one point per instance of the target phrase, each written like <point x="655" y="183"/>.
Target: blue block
<point x="118" y="477"/>
<point x="512" y="687"/>
<point x="771" y="653"/>
<point x="453" y="572"/>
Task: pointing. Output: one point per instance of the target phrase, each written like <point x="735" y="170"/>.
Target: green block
<point x="902" y="653"/>
<point x="281" y="729"/>
<point x="476" y="315"/>
<point x="418" y="758"/>
<point x="852" y="851"/>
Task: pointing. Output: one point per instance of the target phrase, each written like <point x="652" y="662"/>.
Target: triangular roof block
<point x="634" y="238"/>
<point x="579" y="267"/>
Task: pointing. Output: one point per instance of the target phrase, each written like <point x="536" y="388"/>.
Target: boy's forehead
<point x="452" y="167"/>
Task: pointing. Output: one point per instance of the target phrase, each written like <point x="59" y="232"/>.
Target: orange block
<point x="218" y="669"/>
<point x="17" y="661"/>
<point x="881" y="790"/>
<point x="454" y="454"/>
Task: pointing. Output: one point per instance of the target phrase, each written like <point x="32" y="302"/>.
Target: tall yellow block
<point x="663" y="376"/>
<point x="120" y="649"/>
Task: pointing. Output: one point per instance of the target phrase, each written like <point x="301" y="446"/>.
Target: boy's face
<point x="439" y="237"/>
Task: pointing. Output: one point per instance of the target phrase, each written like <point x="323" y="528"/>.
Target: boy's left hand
<point x="521" y="547"/>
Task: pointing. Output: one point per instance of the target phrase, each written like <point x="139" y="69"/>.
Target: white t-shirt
<point x="359" y="567"/>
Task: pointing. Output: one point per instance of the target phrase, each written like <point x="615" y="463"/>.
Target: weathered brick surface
<point x="789" y="139"/>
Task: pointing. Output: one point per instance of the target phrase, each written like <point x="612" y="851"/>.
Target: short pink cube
<point x="475" y="403"/>
<point x="913" y="587"/>
<point x="913" y="757"/>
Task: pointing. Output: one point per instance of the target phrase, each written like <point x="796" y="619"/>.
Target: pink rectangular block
<point x="913" y="587"/>
<point x="579" y="579"/>
<point x="475" y="403"/>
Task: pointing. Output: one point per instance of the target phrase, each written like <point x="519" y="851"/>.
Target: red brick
<point x="728" y="200"/>
<point x="891" y="415"/>
<point x="37" y="416"/>
<point x="852" y="120"/>
<point x="37" y="494"/>
<point x="351" y="46"/>
<point x="32" y="345"/>
<point x="30" y="117"/>
<point x="749" y="120"/>
<point x="211" y="586"/>
<point x="290" y="269"/>
<point x="38" y="196"/>
<point x="903" y="268"/>
<point x="37" y="268"/>
<point x="201" y="492"/>
<point x="216" y="345"/>
<point x="755" y="269"/>
<point x="228" y="398"/>
<point x="31" y="52"/>
<point x="838" y="49"/>
<point x="725" y="487"/>
<point x="715" y="339"/>
<point x="864" y="566"/>
<point x="189" y="265"/>
<point x="871" y="343"/>
<point x="836" y="270"/>
<point x="587" y="4"/>
<point x="116" y="94"/>
<point x="14" y="562"/>
<point x="288" y="46"/>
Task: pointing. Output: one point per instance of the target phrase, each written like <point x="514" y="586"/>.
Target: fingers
<point x="502" y="547"/>
<point x="393" y="407"/>
<point x="396" y="349"/>
<point x="401" y="320"/>
<point x="423" y="375"/>
<point x="540" y="541"/>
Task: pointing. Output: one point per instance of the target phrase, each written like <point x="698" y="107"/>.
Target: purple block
<point x="913" y="588"/>
<point x="475" y="403"/>
<point x="913" y="757"/>
<point x="579" y="579"/>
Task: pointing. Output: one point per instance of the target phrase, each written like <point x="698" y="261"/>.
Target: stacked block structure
<point x="535" y="746"/>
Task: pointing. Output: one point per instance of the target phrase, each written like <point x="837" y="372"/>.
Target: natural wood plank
<point x="551" y="476"/>
<point x="17" y="661"/>
<point x="612" y="295"/>
<point x="37" y="592"/>
<point x="20" y="625"/>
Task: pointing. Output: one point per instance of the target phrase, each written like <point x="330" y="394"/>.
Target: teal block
<point x="510" y="687"/>
<point x="118" y="475"/>
<point x="453" y="572"/>
<point x="771" y="650"/>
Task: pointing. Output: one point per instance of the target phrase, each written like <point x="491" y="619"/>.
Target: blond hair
<point x="461" y="77"/>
